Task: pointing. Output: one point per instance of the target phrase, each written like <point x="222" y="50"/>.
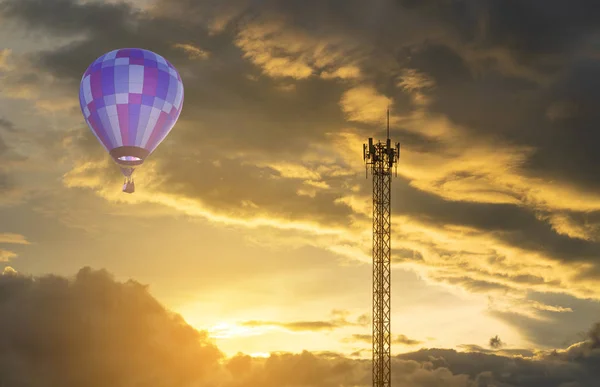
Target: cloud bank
<point x="92" y="330"/>
<point x="492" y="101"/>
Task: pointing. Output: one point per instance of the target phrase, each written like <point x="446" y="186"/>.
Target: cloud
<point x="484" y="198"/>
<point x="118" y="328"/>
<point x="508" y="352"/>
<point x="344" y="72"/>
<point x="9" y="271"/>
<point x="6" y="124"/>
<point x="20" y="79"/>
<point x="281" y="50"/>
<point x="360" y="338"/>
<point x="399" y="339"/>
<point x="192" y="51"/>
<point x="6" y="256"/>
<point x="91" y="319"/>
<point x="549" y="327"/>
<point x="12" y="164"/>
<point x="415" y="83"/>
<point x="365" y="104"/>
<point x="10" y="238"/>
<point x="296" y="325"/>
<point x="257" y="45"/>
<point x="339" y="321"/>
<point x="403" y="340"/>
<point x="163" y="334"/>
<point x="13" y="239"/>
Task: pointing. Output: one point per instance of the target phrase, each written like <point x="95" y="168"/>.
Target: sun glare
<point x="231" y="330"/>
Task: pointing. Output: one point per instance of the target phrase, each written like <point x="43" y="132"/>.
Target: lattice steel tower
<point x="382" y="158"/>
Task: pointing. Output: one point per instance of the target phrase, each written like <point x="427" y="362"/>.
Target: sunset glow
<point x="244" y="256"/>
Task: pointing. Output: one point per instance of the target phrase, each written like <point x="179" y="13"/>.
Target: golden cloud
<point x="96" y="175"/>
<point x="480" y="262"/>
<point x="12" y="238"/>
<point x="260" y="41"/>
<point x="404" y="340"/>
<point x="192" y="51"/>
<point x="343" y="72"/>
<point x="6" y="256"/>
<point x="564" y="224"/>
<point x="416" y="83"/>
<point x="365" y="104"/>
<point x="339" y="320"/>
<point x="459" y="256"/>
<point x="281" y="51"/>
<point x="9" y="271"/>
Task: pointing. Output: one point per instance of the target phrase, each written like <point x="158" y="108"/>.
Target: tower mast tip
<point x="388" y="122"/>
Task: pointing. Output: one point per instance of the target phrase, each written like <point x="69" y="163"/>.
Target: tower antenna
<point x="388" y="122"/>
<point x="381" y="157"/>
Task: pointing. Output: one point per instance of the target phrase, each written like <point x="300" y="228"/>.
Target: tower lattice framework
<point x="382" y="158"/>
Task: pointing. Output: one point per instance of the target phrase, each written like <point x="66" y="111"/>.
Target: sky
<point x="250" y="230"/>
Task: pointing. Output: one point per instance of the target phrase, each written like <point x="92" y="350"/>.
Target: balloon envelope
<point x="131" y="99"/>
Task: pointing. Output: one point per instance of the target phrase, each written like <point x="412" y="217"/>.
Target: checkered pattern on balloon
<point x="131" y="99"/>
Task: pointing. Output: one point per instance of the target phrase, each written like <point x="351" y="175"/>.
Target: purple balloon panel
<point x="131" y="97"/>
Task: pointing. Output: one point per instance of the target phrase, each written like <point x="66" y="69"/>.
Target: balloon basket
<point x="129" y="186"/>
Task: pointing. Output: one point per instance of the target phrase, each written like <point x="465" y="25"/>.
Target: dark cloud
<point x="11" y="189"/>
<point x="402" y="339"/>
<point x="75" y="17"/>
<point x="227" y="112"/>
<point x="509" y="371"/>
<point x="227" y="185"/>
<point x="553" y="39"/>
<point x="6" y="182"/>
<point x="8" y="185"/>
<point x="535" y="34"/>
<point x="508" y="352"/>
<point x="3" y="146"/>
<point x="6" y="124"/>
<point x="219" y="93"/>
<point x="594" y="336"/>
<point x="566" y="139"/>
<point x="96" y="332"/>
<point x="92" y="330"/>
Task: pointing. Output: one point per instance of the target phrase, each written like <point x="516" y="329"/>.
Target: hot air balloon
<point x="131" y="99"/>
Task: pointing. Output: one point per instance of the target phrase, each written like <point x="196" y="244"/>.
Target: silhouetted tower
<point x="382" y="158"/>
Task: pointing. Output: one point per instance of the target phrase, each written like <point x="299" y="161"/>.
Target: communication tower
<point x="382" y="158"/>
